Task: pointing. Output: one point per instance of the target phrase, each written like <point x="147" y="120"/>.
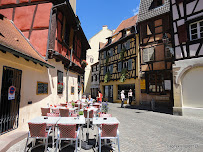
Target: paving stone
<point x="147" y="131"/>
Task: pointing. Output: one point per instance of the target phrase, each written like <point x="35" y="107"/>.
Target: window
<point x="148" y="54"/>
<point x="119" y="48"/>
<point x="92" y="78"/>
<point x="156" y="3"/>
<point x="128" y="44"/>
<point x="125" y="64"/>
<point x="119" y="66"/>
<point x="196" y="30"/>
<point x="60" y="82"/>
<point x="110" y="68"/>
<point x="95" y="77"/>
<point x="130" y="64"/>
<point x="104" y="70"/>
<point x="91" y="60"/>
<point x="42" y="88"/>
<point x="104" y="54"/>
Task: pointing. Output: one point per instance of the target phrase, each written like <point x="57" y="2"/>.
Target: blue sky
<point x="93" y="14"/>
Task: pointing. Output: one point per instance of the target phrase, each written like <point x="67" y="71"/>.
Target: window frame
<point x="198" y="30"/>
<point x="59" y="81"/>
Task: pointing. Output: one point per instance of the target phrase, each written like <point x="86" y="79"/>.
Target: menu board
<point x="42" y="88"/>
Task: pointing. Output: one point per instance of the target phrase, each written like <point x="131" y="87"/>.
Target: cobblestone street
<point x="147" y="131"/>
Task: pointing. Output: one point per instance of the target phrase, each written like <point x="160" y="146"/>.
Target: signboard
<point x="11" y="93"/>
<point x="142" y="84"/>
<point x="167" y="84"/>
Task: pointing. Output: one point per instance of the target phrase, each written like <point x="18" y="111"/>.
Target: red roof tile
<point x="12" y="38"/>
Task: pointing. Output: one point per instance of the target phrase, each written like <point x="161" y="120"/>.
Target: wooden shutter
<point x="128" y="44"/>
<point x="130" y="64"/>
<point x="104" y="54"/>
<point x="148" y="54"/>
<point x="182" y="33"/>
<point x="119" y="66"/>
<point x="119" y="48"/>
<point x="111" y="68"/>
<point x="104" y="70"/>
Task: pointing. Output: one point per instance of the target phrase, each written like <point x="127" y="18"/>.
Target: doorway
<point x="9" y="108"/>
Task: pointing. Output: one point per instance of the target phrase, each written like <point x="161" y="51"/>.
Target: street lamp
<point x="165" y="40"/>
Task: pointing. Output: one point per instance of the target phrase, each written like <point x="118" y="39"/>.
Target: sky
<point x="93" y="14"/>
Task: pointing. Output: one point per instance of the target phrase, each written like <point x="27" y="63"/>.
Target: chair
<point x="44" y="111"/>
<point x="91" y="114"/>
<point x="64" y="112"/>
<point x="105" y="115"/>
<point x="38" y="131"/>
<point x="67" y="132"/>
<point x="53" y="114"/>
<point x="63" y="104"/>
<point x="108" y="131"/>
<point x="97" y="106"/>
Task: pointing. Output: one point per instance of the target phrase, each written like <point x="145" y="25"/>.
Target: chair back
<point x="91" y="113"/>
<point x="67" y="131"/>
<point x="105" y="115"/>
<point x="53" y="114"/>
<point x="78" y="105"/>
<point x="44" y="111"/>
<point x="37" y="129"/>
<point x="63" y="104"/>
<point x="64" y="112"/>
<point x="109" y="130"/>
<point x="96" y="106"/>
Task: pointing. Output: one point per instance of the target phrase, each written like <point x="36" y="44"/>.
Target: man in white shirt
<point x="130" y="96"/>
<point x="122" y="98"/>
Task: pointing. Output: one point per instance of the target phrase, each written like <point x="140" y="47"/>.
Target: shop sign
<point x="142" y="84"/>
<point x="11" y="93"/>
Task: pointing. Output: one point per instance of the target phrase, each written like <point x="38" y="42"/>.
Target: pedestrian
<point x="122" y="98"/>
<point x="100" y="96"/>
<point x="130" y="96"/>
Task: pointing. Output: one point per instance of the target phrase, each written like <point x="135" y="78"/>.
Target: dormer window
<point x="123" y="33"/>
<point x="109" y="40"/>
<point x="156" y="3"/>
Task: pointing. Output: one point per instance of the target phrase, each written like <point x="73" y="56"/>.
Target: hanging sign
<point x="11" y="93"/>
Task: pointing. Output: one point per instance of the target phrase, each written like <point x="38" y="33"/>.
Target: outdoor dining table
<point x="70" y="109"/>
<point x="103" y="120"/>
<point x="51" y="121"/>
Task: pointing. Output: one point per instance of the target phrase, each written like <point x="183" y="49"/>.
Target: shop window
<point x="148" y="54"/>
<point x="156" y="81"/>
<point x="60" y="82"/>
<point x="196" y="30"/>
<point x="42" y="88"/>
<point x="126" y="88"/>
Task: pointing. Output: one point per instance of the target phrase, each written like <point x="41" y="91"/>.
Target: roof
<point x="146" y="13"/>
<point x="126" y="24"/>
<point x="13" y="41"/>
<point x="101" y="45"/>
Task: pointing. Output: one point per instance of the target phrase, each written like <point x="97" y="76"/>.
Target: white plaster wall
<point x="72" y="82"/>
<point x="94" y="43"/>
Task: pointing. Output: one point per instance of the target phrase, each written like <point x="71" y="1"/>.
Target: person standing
<point x="130" y="96"/>
<point x="100" y="96"/>
<point x="122" y="98"/>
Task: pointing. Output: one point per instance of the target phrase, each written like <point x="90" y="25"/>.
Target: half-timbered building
<point x="187" y="16"/>
<point x="55" y="35"/>
<point x="118" y="61"/>
<point x="154" y="24"/>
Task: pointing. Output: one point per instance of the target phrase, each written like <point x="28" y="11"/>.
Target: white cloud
<point x="136" y="10"/>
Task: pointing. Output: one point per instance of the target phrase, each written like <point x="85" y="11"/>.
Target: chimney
<point x="104" y="27"/>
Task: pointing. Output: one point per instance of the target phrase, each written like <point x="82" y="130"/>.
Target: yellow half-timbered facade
<point x="119" y="63"/>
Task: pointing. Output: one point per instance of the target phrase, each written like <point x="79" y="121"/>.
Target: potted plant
<point x="73" y="104"/>
<point x="80" y="113"/>
<point x="107" y="77"/>
<point x="60" y="87"/>
<point x="84" y="63"/>
<point x="122" y="53"/>
<point x="105" y="107"/>
<point x="123" y="75"/>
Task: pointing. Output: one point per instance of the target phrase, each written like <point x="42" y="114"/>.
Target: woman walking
<point x="122" y="98"/>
